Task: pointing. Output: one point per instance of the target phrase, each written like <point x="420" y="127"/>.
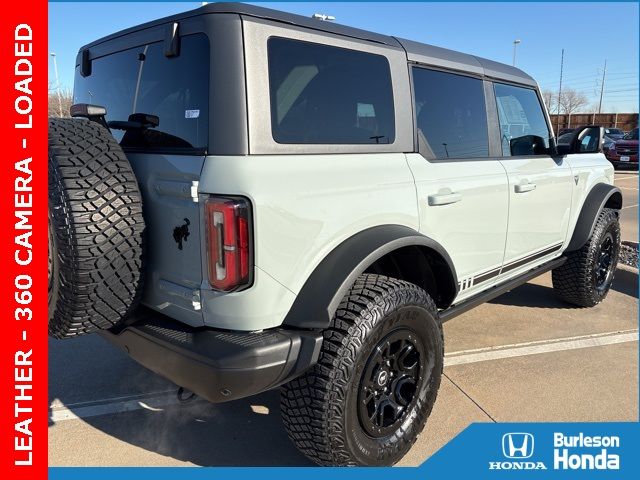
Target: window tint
<point x="328" y="95"/>
<point x="450" y="114"/>
<point x="143" y="80"/>
<point x="523" y="127"/>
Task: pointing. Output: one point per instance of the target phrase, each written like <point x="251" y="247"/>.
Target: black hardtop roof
<point x="416" y="51"/>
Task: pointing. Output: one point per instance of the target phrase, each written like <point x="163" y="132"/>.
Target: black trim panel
<point x="597" y="198"/>
<point x="325" y="288"/>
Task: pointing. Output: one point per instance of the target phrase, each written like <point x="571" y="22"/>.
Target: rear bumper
<point x="217" y="365"/>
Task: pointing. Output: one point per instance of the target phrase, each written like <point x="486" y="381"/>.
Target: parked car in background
<point x="613" y="133"/>
<point x="564" y="131"/>
<point x="624" y="152"/>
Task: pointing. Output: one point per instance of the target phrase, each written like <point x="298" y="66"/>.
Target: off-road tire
<point x="96" y="230"/>
<point x="575" y="281"/>
<point x="319" y="409"/>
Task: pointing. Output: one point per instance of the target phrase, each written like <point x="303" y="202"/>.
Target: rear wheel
<point x="376" y="380"/>
<point x="586" y="277"/>
<point x="95" y="230"/>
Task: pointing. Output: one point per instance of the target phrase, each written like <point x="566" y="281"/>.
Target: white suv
<point x="257" y="199"/>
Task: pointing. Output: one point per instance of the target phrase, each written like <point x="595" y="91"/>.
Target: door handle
<point x="525" y="187"/>
<point x="444" y="199"/>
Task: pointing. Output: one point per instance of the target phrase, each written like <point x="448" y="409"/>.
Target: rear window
<point x="451" y="115"/>
<point x="328" y="95"/>
<point x="142" y="80"/>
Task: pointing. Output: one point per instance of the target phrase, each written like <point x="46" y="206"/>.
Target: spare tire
<point x="96" y="230"/>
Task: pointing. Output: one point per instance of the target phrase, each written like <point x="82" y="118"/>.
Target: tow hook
<point x="184" y="395"/>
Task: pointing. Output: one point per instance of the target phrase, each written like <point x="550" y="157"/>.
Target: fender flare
<point x="600" y="196"/>
<point x="318" y="300"/>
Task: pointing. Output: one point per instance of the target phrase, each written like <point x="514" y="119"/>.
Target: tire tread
<point x="95" y="207"/>
<point x="572" y="281"/>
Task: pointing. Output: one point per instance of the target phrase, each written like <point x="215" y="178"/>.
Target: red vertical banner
<point x="23" y="241"/>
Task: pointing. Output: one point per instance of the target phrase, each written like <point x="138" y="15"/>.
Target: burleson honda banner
<point x="303" y="235"/>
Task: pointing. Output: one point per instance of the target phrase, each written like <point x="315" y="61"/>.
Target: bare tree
<point x="572" y="101"/>
<point x="59" y="105"/>
<point x="550" y="98"/>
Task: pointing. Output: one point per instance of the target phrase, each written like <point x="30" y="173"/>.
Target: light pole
<point x="515" y="44"/>
<point x="55" y="69"/>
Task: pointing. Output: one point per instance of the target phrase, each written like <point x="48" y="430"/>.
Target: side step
<point x="498" y="290"/>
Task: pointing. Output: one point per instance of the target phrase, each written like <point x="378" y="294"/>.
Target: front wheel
<point x="375" y="383"/>
<point x="585" y="278"/>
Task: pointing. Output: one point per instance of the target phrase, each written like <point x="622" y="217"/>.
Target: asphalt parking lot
<point x="523" y="357"/>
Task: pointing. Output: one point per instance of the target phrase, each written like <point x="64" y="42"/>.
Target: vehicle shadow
<point x="626" y="282"/>
<point x="531" y="295"/>
<point x="542" y="296"/>
<point x="245" y="432"/>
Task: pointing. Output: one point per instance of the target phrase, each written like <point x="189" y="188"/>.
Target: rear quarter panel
<point x="303" y="207"/>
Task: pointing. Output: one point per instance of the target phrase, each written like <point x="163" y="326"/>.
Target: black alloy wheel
<point x="389" y="382"/>
<point x="603" y="266"/>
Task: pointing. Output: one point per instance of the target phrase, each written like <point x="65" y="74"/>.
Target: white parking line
<point x="151" y="401"/>
<point x="158" y="400"/>
<point x="630" y="206"/>
<point x="534" y="348"/>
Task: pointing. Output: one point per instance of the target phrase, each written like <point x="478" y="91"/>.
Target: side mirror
<point x="588" y="139"/>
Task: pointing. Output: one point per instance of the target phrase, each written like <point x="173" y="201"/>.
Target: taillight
<point x="228" y="242"/>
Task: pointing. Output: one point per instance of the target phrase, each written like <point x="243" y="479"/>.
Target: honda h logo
<point x="517" y="445"/>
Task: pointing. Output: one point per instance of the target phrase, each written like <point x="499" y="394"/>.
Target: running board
<point x="497" y="290"/>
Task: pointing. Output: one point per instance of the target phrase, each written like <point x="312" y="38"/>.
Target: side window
<point x="523" y="127"/>
<point x="321" y="94"/>
<point x="451" y="115"/>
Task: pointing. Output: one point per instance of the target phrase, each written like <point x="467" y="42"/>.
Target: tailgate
<point x="173" y="265"/>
